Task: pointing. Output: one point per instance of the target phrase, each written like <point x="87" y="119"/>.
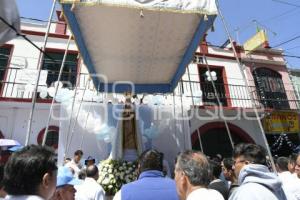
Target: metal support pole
<point x="70" y="120"/>
<point x="193" y="102"/>
<point x="247" y="85"/>
<point x="85" y="124"/>
<point x="38" y="77"/>
<point x="74" y="125"/>
<point x="56" y="89"/>
<point x="218" y="100"/>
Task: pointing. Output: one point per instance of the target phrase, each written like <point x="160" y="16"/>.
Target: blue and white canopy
<point x="147" y="43"/>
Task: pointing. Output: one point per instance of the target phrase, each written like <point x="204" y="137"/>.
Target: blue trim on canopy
<point x="72" y="22"/>
<point x="138" y="88"/>
<point x="203" y="26"/>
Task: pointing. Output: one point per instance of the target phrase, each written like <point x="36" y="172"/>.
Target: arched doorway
<point x="52" y="136"/>
<point x="215" y="139"/>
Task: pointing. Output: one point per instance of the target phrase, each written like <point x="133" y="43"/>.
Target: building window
<point x="270" y="88"/>
<point x="5" y="52"/>
<point x="52" y="137"/>
<point x="53" y="65"/>
<point x="208" y="93"/>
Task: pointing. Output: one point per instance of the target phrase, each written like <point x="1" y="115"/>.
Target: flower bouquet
<point x="114" y="173"/>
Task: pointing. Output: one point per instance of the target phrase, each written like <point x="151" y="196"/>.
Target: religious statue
<point x="127" y="144"/>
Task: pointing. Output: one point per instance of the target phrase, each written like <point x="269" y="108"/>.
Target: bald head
<point x="195" y="166"/>
<point x="92" y="172"/>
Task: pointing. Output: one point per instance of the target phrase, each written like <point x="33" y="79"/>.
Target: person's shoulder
<point x="205" y="193"/>
<point x="253" y="191"/>
<point x="117" y="195"/>
<point x="216" y="195"/>
<point x="93" y="183"/>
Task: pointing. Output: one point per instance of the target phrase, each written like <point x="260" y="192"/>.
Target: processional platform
<point x="146" y="44"/>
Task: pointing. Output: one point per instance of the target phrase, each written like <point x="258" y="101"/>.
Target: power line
<point x="293" y="47"/>
<point x="41" y="20"/>
<point x="26" y="38"/>
<point x="280" y="15"/>
<point x="286" y="55"/>
<point x="287" y="3"/>
<point x="285" y="42"/>
<point x="291" y="56"/>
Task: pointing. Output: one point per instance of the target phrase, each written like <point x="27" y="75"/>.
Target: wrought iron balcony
<point x="238" y="96"/>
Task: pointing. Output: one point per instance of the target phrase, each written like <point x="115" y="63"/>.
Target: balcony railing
<point x="238" y="96"/>
<point x="203" y="94"/>
<point x="15" y="86"/>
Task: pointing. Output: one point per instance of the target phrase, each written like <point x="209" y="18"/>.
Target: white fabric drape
<point x="203" y="6"/>
<point x="157" y="126"/>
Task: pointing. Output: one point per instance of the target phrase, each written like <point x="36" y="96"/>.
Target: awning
<point x="9" y="14"/>
<point x="142" y="44"/>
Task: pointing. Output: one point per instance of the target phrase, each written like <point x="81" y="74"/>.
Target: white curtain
<point x="160" y="127"/>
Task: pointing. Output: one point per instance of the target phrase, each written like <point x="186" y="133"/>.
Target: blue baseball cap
<point x="65" y="177"/>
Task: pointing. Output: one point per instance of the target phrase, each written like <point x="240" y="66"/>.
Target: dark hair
<point x="78" y="152"/>
<point x="91" y="171"/>
<point x="228" y="163"/>
<point x="151" y="160"/>
<point x="216" y="168"/>
<point x="68" y="159"/>
<point x="25" y="169"/>
<point x="293" y="157"/>
<point x="82" y="174"/>
<point x="282" y="163"/>
<point x="195" y="166"/>
<point x="254" y="153"/>
<point x="1" y="175"/>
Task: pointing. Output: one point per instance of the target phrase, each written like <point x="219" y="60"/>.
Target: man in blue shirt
<point x="151" y="183"/>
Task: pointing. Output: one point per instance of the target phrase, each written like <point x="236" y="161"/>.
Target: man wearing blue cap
<point x="65" y="184"/>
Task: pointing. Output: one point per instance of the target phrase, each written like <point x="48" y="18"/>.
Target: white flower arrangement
<point x="114" y="173"/>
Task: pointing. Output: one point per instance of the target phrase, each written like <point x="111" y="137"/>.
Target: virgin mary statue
<point x="127" y="143"/>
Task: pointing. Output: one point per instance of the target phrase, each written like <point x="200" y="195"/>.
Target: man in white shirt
<point x="192" y="176"/>
<point x="90" y="189"/>
<point x="297" y="166"/>
<point x="75" y="164"/>
<point x="290" y="183"/>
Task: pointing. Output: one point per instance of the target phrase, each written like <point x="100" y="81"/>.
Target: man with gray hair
<point x="192" y="177"/>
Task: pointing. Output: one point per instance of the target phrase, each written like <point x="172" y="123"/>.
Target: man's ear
<point x="46" y="180"/>
<point x="139" y="169"/>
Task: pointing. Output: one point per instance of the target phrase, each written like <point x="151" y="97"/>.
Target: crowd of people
<point x="32" y="173"/>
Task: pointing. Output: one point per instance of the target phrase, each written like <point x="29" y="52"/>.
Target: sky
<point x="281" y="19"/>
